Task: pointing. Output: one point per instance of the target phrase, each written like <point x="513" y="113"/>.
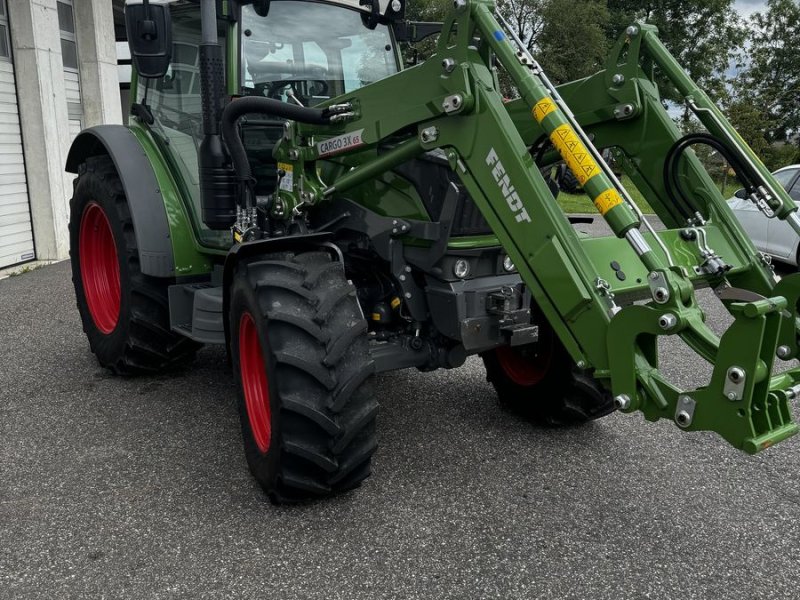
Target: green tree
<point x="702" y="34"/>
<point x="771" y="77"/>
<point x="572" y="42"/>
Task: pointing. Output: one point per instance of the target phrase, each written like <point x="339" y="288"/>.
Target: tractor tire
<point x="300" y="355"/>
<point x="568" y="183"/>
<point x="125" y="313"/>
<point x="541" y="383"/>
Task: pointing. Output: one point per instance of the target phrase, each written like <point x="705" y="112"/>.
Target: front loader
<point x="287" y="189"/>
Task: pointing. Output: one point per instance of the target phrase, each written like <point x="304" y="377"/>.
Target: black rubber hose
<point x="236" y="109"/>
<point x="672" y="179"/>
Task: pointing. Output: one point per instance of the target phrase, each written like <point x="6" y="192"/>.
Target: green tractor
<point x="287" y="189"/>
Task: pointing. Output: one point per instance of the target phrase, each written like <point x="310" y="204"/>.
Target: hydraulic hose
<point x="672" y="179"/>
<point x="236" y="109"/>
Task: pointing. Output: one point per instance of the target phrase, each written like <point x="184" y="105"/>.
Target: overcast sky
<point x="748" y="7"/>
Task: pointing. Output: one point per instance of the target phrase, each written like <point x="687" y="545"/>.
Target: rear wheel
<point x="125" y="314"/>
<point x="300" y="355"/>
<point x="569" y="183"/>
<point x="541" y="383"/>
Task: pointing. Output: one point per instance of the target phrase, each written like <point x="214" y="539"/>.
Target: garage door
<point x="16" y="237"/>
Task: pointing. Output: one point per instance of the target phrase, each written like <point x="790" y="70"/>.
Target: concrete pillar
<point x="43" y="117"/>
<point x="97" y="55"/>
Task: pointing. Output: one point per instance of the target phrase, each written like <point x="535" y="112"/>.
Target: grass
<point x="580" y="203"/>
<point x="24" y="269"/>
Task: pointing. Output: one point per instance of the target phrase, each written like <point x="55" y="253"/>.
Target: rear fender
<point x="150" y="223"/>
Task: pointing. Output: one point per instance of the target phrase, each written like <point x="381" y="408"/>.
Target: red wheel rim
<point x="254" y="382"/>
<point x="521" y="369"/>
<point x="99" y="268"/>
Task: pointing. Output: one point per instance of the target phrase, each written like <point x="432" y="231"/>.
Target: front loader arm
<point x="576" y="283"/>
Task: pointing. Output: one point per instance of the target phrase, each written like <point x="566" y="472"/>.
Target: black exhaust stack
<point x="217" y="179"/>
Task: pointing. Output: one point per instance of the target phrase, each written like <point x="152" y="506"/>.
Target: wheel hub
<point x="99" y="268"/>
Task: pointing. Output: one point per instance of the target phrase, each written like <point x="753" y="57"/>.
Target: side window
<point x="795" y="191"/>
<point x="175" y="98"/>
<point x="5" y="42"/>
<point x="785" y="177"/>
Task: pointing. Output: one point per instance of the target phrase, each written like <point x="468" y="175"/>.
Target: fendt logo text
<point x="504" y="183"/>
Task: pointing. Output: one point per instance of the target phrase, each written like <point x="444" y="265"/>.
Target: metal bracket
<point x="735" y="379"/>
<point x="658" y="287"/>
<point x="684" y="411"/>
<point x="453" y="103"/>
<point x="515" y="321"/>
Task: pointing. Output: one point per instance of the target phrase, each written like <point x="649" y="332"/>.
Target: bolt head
<point x="667" y="321"/>
<point x="683" y="419"/>
<point x="735" y="374"/>
<point x="622" y="402"/>
<point x="632" y="31"/>
<point x="618" y="79"/>
<point x="783" y="352"/>
<point x="732" y="396"/>
<point x="448" y="65"/>
<point x="396" y="5"/>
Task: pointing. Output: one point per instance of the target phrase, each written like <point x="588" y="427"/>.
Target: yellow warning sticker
<point x="607" y="200"/>
<point x="574" y="153"/>
<point x="543" y="108"/>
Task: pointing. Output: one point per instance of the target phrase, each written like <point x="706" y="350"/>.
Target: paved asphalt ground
<point x="117" y="488"/>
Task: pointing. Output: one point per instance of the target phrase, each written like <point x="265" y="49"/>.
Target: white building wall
<point x="16" y="233"/>
<point x="54" y="103"/>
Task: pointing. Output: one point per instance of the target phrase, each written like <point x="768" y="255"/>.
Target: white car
<point x="771" y="236"/>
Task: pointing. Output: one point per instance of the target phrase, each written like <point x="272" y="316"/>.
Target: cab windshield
<point x="306" y="52"/>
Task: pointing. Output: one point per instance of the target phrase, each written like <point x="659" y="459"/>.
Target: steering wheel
<point x="272" y="88"/>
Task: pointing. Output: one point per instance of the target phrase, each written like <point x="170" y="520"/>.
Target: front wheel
<point x="301" y="359"/>
<point x="541" y="383"/>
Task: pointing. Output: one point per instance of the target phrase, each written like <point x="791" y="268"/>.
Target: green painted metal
<point x="190" y="258"/>
<point x="576" y="282"/>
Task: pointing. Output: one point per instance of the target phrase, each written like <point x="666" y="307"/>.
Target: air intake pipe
<point x="217" y="181"/>
<point x="236" y="109"/>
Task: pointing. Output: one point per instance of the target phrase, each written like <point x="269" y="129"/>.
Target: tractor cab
<point x="299" y="52"/>
<point x="308" y="52"/>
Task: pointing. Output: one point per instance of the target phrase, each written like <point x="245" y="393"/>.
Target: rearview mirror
<point x="149" y="29"/>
